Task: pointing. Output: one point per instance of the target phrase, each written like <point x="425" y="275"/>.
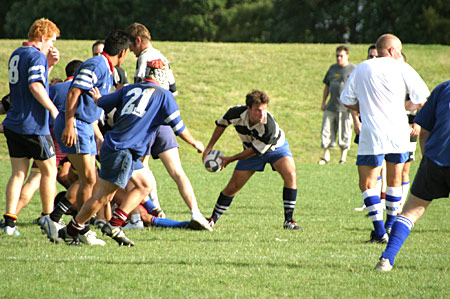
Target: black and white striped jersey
<point x="262" y="137"/>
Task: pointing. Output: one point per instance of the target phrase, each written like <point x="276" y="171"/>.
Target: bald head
<point x="388" y="45"/>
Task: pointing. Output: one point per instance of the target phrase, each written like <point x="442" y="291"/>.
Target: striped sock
<point x="60" y="209"/>
<point x="372" y="201"/>
<point x="393" y="198"/>
<point x="166" y="222"/>
<point x="222" y="205"/>
<point x="118" y="217"/>
<point x="400" y="232"/>
<point x="289" y="199"/>
<point x="74" y="228"/>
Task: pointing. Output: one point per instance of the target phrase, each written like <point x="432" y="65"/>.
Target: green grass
<point x="248" y="254"/>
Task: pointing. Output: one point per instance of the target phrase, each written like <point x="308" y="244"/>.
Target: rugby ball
<point x="212" y="161"/>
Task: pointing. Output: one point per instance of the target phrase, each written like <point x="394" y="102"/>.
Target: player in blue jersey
<point x="432" y="179"/>
<point x="141" y="107"/>
<point x="76" y="127"/>
<point x="26" y="124"/>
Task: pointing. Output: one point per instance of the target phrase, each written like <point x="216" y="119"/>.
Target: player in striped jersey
<point x="264" y="142"/>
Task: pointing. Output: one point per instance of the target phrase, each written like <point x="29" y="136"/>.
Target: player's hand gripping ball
<point x="212" y="161"/>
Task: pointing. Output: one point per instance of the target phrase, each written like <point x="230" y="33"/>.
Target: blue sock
<point x="166" y="222"/>
<point x="148" y="205"/>
<point x="393" y="198"/>
<point x="289" y="199"/>
<point x="400" y="232"/>
<point x="373" y="206"/>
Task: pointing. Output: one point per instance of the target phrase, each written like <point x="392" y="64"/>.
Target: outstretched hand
<point x="95" y="94"/>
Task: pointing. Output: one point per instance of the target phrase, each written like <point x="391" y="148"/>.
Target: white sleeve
<point x="416" y="88"/>
<point x="139" y="75"/>
<point x="348" y="95"/>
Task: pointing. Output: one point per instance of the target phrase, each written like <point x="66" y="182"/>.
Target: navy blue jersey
<point x="58" y="94"/>
<point x="97" y="72"/>
<point x="27" y="116"/>
<point x="142" y="108"/>
<point x="435" y="118"/>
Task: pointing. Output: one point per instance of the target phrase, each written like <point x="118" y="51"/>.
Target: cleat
<point x="134" y="225"/>
<point x="361" y="208"/>
<point x="90" y="238"/>
<point x="117" y="234"/>
<point x="211" y="222"/>
<point x="99" y="223"/>
<point x="200" y="223"/>
<point x="63" y="236"/>
<point x="158" y="212"/>
<point x="373" y="239"/>
<point x="11" y="231"/>
<point x="50" y="227"/>
<point x="291" y="224"/>
<point x="383" y="265"/>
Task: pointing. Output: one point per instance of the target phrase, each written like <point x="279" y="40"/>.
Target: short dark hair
<point x="72" y="67"/>
<point x="256" y="97"/>
<point x="116" y="41"/>
<point x="96" y="43"/>
<point x="342" y="48"/>
<point x="372" y="47"/>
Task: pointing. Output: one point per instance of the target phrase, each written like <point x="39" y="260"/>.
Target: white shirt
<point x="380" y="86"/>
<point x="150" y="54"/>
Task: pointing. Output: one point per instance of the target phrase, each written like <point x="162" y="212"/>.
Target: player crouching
<point x="264" y="142"/>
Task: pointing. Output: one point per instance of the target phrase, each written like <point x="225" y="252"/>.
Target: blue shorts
<point x="257" y="163"/>
<point x="377" y="160"/>
<point x="118" y="166"/>
<point x="85" y="143"/>
<point x="163" y="140"/>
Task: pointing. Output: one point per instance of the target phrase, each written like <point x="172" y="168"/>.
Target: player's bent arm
<point x="218" y="131"/>
<point x="354" y="107"/>
<point x="40" y="94"/>
<point x="410" y="106"/>
<point x="188" y="138"/>
<point x="422" y="138"/>
<point x="356" y="121"/>
<point x="68" y="135"/>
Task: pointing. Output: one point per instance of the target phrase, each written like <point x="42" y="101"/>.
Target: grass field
<point x="248" y="254"/>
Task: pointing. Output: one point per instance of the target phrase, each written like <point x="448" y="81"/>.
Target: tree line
<point x="274" y="21"/>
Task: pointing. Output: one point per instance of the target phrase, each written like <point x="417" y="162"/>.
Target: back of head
<point x="386" y="42"/>
<point x="72" y="67"/>
<point x="42" y="28"/>
<point x="139" y="30"/>
<point x="116" y="41"/>
<point x="157" y="70"/>
<point x="256" y="97"/>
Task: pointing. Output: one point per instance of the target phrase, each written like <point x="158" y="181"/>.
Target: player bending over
<point x="264" y="142"/>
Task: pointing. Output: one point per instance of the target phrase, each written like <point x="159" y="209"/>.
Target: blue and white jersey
<point x="58" y="94"/>
<point x="142" y="108"/>
<point x="94" y="72"/>
<point x="27" y="116"/>
<point x="435" y="118"/>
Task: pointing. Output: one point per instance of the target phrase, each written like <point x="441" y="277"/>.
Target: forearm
<point x="326" y="92"/>
<point x="40" y="94"/>
<point x="410" y="106"/>
<point x="354" y="107"/>
<point x="247" y="153"/>
<point x="71" y="105"/>
<point x="218" y="131"/>
<point x="422" y="138"/>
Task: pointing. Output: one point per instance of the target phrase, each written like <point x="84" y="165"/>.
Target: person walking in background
<point x="336" y="123"/>
<point x="377" y="89"/>
<point x="26" y="125"/>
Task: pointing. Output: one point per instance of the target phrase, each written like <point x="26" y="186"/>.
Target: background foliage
<point x="312" y="21"/>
